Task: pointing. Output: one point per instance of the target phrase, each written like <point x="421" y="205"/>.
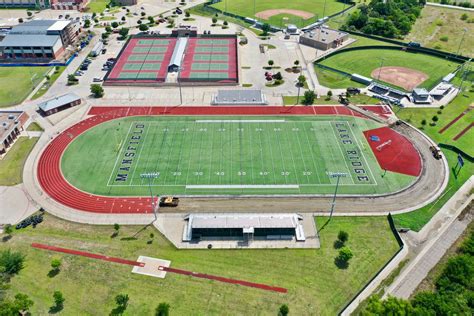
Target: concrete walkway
<point x="432" y="242"/>
<point x="15" y="204"/>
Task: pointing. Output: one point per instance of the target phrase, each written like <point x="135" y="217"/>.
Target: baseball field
<point x="298" y="12"/>
<point x="399" y="68"/>
<point x="227" y="155"/>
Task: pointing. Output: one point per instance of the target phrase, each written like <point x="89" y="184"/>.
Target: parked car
<point x="104" y="50"/>
<point x="97" y="79"/>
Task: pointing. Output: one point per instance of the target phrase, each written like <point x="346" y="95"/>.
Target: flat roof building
<point x="323" y="38"/>
<point x="11" y="125"/>
<point x="239" y="97"/>
<point x="38" y="40"/>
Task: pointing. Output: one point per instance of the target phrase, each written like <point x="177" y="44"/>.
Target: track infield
<point x="227" y="155"/>
<point x="365" y="61"/>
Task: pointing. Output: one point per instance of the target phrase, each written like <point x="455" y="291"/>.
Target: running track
<point x="58" y="188"/>
<point x="167" y="269"/>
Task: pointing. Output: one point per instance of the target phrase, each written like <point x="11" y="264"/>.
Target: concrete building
<point x="68" y="4"/>
<point x="421" y="95"/>
<point x="323" y="38"/>
<point x="40" y="4"/>
<point x="244" y="227"/>
<point x="58" y="104"/>
<point x="11" y="124"/>
<point x="38" y="40"/>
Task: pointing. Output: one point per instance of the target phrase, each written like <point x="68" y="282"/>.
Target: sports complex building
<point x="172" y="59"/>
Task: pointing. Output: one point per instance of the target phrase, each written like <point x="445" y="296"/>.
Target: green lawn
<point x="11" y="166"/>
<point x="17" y="83"/>
<point x="416" y="220"/>
<point x="97" y="6"/>
<point x="363" y="62"/>
<point x="334" y="80"/>
<point x="356" y="99"/>
<point x="246" y="8"/>
<point x="34" y="127"/>
<point x="227" y="155"/>
<point x="315" y="285"/>
<point x="48" y="83"/>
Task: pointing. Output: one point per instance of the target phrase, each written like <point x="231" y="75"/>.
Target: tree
<point x="143" y="27"/>
<point x="301" y="81"/>
<point x="423" y="122"/>
<point x="123" y="18"/>
<point x="142" y="13"/>
<point x="163" y="309"/>
<point x="296" y="63"/>
<point x="23" y="303"/>
<point x="390" y="306"/>
<point x="11" y="262"/>
<point x="329" y="93"/>
<point x="105" y="36"/>
<point x="308" y="97"/>
<point x="108" y="29"/>
<point x="20" y="20"/>
<point x="284" y="310"/>
<point x="87" y="24"/>
<point x="345" y="254"/>
<point x="151" y="20"/>
<point x="270" y="63"/>
<point x="139" y="22"/>
<point x="435" y="118"/>
<point x="123" y="32"/>
<point x="464" y="16"/>
<point x="278" y="76"/>
<point x="58" y="299"/>
<point x="55" y="264"/>
<point x="343" y="236"/>
<point x="72" y="78"/>
<point x="8" y="229"/>
<point x="29" y="13"/>
<point x="226" y="23"/>
<point x="97" y="90"/>
<point x="214" y="20"/>
<point x="114" y="24"/>
<point x="116" y="227"/>
<point x="187" y="14"/>
<point x="265" y="29"/>
<point x="122" y="300"/>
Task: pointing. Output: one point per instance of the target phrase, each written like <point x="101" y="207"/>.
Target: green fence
<point x="457" y="150"/>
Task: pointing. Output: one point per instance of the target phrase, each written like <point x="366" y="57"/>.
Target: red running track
<point x="167" y="269"/>
<point x="58" y="188"/>
<point x="400" y="156"/>
<point x="464" y="131"/>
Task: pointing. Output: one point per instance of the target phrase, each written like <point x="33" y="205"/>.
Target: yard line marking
<point x="363" y="155"/>
<point x="142" y="144"/>
<point x="239" y="121"/>
<point x="190" y="154"/>
<point x="282" y="160"/>
<point x="243" y="186"/>
<point x="302" y="155"/>
<point x="119" y="152"/>
<point x="211" y="155"/>
<point x="170" y="150"/>
<point x="251" y="157"/>
<point x="292" y="157"/>
<point x="181" y="146"/>
<point x="340" y="149"/>
<point x="312" y="155"/>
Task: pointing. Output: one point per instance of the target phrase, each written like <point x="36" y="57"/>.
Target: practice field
<point x="228" y="155"/>
<point x="363" y="62"/>
<point x="17" y="82"/>
<point x="259" y="8"/>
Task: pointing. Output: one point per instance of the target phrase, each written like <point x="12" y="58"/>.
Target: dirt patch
<point x="403" y="77"/>
<point x="267" y="14"/>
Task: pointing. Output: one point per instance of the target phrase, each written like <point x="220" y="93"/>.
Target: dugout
<point x="245" y="227"/>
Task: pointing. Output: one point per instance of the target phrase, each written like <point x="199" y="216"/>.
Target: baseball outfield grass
<point x="17" y="83"/>
<point x="315" y="284"/>
<point x="227" y="155"/>
<point x="363" y="62"/>
<point x="248" y="8"/>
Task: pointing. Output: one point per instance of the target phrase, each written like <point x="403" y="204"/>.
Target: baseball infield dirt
<point x="403" y="77"/>
<point x="267" y="14"/>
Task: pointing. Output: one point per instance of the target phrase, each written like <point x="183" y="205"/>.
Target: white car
<point x="97" y="79"/>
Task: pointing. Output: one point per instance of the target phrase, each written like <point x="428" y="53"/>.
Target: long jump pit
<point x="405" y="78"/>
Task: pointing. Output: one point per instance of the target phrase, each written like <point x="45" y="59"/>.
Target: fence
<point x="457" y="151"/>
<point x="52" y="64"/>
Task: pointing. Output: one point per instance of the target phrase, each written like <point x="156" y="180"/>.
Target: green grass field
<point x="11" y="166"/>
<point x="17" y="83"/>
<point x="97" y="6"/>
<point x="315" y="285"/>
<point x="226" y="155"/>
<point x="246" y="8"/>
<point x="363" y="62"/>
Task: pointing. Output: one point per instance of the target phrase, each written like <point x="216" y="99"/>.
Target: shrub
<point x="308" y="97"/>
<point x="55" y="264"/>
<point x="284" y="310"/>
<point x="214" y="20"/>
<point x="97" y="90"/>
<point x="423" y="122"/>
<point x="11" y="262"/>
<point x="143" y="27"/>
<point x="464" y="17"/>
<point x="343" y="236"/>
<point x="163" y="309"/>
<point x="435" y="118"/>
<point x="270" y="63"/>
<point x="444" y="38"/>
<point x="345" y="254"/>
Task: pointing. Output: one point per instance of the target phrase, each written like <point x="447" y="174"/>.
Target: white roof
<point x="178" y="52"/>
<point x="58" y="101"/>
<point x="59" y="25"/>
<point x="243" y="220"/>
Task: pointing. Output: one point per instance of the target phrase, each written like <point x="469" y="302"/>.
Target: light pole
<point x="460" y="42"/>
<point x="149" y="176"/>
<point x="380" y="69"/>
<point x="337" y="175"/>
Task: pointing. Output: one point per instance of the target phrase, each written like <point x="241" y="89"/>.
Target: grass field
<point x="438" y="23"/>
<point x="233" y="155"/>
<point x="34" y="127"/>
<point x="97" y="6"/>
<point x="315" y="285"/>
<point x="41" y="91"/>
<point x="363" y="62"/>
<point x="246" y="8"/>
<point x="18" y="82"/>
<point x="11" y="166"/>
<point x="416" y="220"/>
<point x="356" y="99"/>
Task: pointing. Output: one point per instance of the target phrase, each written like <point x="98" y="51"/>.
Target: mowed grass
<point x="97" y="6"/>
<point x="363" y="62"/>
<point x="442" y="28"/>
<point x="315" y="285"/>
<point x="17" y="83"/>
<point x="11" y="166"/>
<point x="246" y="8"/>
<point x="322" y="100"/>
<point x="232" y="153"/>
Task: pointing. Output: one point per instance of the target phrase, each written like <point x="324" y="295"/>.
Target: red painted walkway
<point x="464" y="131"/>
<point x="58" y="188"/>
<point x="398" y="156"/>
<point x="167" y="269"/>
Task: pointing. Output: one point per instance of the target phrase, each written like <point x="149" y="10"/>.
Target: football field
<point x="227" y="155"/>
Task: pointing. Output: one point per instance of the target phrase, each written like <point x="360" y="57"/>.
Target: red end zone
<point x="393" y="151"/>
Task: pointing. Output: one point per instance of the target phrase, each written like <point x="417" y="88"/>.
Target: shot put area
<point x="169" y="60"/>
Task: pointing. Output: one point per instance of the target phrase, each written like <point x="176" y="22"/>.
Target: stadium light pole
<point x="460" y="42"/>
<point x="337" y="175"/>
<point x="380" y="69"/>
<point x="149" y="176"/>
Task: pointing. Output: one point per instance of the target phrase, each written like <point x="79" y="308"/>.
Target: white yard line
<point x="118" y="155"/>
<point x="244" y="186"/>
